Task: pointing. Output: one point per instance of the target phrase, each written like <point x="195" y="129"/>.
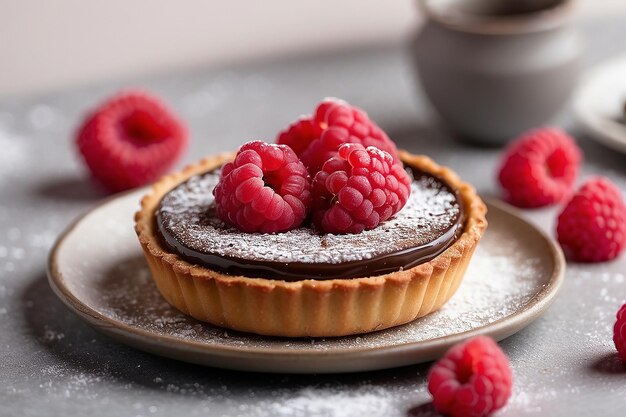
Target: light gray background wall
<point x="49" y="45"/>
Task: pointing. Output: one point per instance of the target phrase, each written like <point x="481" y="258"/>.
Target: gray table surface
<point x="52" y="363"/>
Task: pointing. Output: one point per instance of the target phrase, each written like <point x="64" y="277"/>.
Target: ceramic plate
<point x="98" y="270"/>
<point x="599" y="104"/>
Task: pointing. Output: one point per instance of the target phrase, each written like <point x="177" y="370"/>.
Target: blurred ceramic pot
<point x="495" y="68"/>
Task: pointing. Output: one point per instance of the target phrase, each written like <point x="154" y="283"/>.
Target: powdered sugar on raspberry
<point x="428" y="214"/>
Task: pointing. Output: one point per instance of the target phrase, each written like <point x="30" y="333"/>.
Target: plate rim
<point x="532" y="310"/>
<point x="590" y="121"/>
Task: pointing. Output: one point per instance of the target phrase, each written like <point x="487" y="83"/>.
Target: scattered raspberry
<point x="592" y="227"/>
<point x="265" y="189"/>
<point x="540" y="168"/>
<point x="131" y="140"/>
<point x="358" y="189"/>
<point x="619" y="333"/>
<point x="473" y="379"/>
<point x="316" y="139"/>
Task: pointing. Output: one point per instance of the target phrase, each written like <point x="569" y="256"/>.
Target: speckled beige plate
<point x="98" y="271"/>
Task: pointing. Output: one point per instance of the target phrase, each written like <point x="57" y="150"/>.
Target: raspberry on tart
<point x="473" y="379"/>
<point x="592" y="226"/>
<point x="130" y="140"/>
<point x="230" y="240"/>
<point x="265" y="189"/>
<point x="317" y="138"/>
<point x="539" y="168"/>
<point x="358" y="189"/>
<point x="300" y="134"/>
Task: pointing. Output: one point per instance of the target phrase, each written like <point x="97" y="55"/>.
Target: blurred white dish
<point x="599" y="104"/>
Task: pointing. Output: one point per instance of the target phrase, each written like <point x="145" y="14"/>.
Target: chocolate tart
<point x="312" y="285"/>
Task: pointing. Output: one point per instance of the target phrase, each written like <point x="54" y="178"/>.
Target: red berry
<point x="131" y="140"/>
<point x="265" y="189"/>
<point x="592" y="227"/>
<point x="473" y="379"/>
<point x="300" y="134"/>
<point x="316" y="139"/>
<point x="540" y="168"/>
<point x="619" y="333"/>
<point x="358" y="189"/>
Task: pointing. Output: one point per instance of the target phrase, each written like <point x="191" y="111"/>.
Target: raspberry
<point x="265" y="189"/>
<point x="358" y="189"/>
<point x="592" y="227"/>
<point x="130" y="140"/>
<point x="473" y="379"/>
<point x="540" y="168"/>
<point x="619" y="333"/>
<point x="300" y="134"/>
<point x="316" y="139"/>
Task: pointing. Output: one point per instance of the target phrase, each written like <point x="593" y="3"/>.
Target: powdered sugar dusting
<point x="187" y="213"/>
<point x="331" y="402"/>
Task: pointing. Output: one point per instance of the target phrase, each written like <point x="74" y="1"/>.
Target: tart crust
<point x="316" y="308"/>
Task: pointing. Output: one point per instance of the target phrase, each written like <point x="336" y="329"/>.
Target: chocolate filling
<point x="429" y="223"/>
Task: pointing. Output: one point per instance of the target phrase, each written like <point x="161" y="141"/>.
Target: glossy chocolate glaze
<point x="188" y="226"/>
